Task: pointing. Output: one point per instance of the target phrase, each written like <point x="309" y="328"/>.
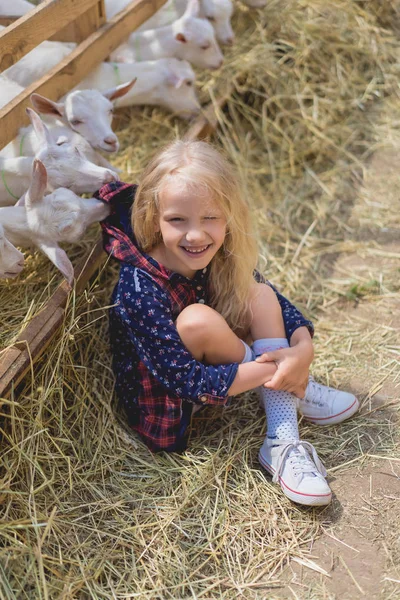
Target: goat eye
<point x="76" y="122"/>
<point x="212" y="19"/>
<point x="189" y="83"/>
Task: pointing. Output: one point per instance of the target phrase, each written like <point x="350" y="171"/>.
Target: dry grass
<point x="87" y="511"/>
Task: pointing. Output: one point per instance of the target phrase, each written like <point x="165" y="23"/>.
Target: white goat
<point x="88" y="112"/>
<point x="8" y="90"/>
<point x="44" y="221"/>
<point x="167" y="82"/>
<point x="65" y="164"/>
<point x="11" y="259"/>
<point x="218" y="12"/>
<point x="93" y="120"/>
<point x="188" y="38"/>
<point x="17" y="8"/>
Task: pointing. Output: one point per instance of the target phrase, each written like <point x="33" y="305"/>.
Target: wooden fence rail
<point x="74" y="67"/>
<point x="45" y="20"/>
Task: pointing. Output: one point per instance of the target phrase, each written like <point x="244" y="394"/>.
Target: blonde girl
<point x="187" y="306"/>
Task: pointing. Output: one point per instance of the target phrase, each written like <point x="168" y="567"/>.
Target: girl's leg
<point x="208" y="337"/>
<point x="283" y="454"/>
<point x="268" y="332"/>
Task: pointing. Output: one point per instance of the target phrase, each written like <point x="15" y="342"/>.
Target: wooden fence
<point x="44" y="20"/>
<point x="70" y="20"/>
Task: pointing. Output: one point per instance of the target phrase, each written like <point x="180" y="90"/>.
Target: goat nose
<point x="112" y="140"/>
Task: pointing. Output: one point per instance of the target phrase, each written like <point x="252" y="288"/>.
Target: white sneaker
<point x="302" y="479"/>
<point x="324" y="405"/>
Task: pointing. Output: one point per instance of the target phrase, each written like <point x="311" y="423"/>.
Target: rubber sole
<point x="304" y="499"/>
<point x="334" y="419"/>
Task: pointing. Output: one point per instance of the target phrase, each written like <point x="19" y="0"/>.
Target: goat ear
<point x="60" y="259"/>
<point x="46" y="106"/>
<point x="120" y="90"/>
<point x="42" y="133"/>
<point x="65" y="226"/>
<point x="180" y="38"/>
<point x="192" y="9"/>
<point x="62" y="139"/>
<point x="38" y="183"/>
<point x="175" y="80"/>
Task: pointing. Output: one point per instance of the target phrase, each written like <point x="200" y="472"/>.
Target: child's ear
<point x="157" y="228"/>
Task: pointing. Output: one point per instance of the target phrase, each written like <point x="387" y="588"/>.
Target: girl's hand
<point x="292" y="368"/>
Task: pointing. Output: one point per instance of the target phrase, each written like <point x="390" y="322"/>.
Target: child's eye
<point x="211" y="218"/>
<point x="175" y="219"/>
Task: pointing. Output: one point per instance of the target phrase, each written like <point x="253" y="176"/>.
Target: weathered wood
<point x="89" y="22"/>
<point x="207" y="122"/>
<point x="70" y="33"/>
<point x="6" y="21"/>
<point x="37" y="25"/>
<point x="16" y="361"/>
<point x="23" y="363"/>
<point x="74" y="67"/>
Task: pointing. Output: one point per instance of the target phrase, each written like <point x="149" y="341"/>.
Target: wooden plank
<point x="207" y="122"/>
<point x="23" y="363"/>
<point x="89" y="22"/>
<point x="37" y="25"/>
<point x="74" y="67"/>
<point x="8" y="358"/>
<point x="16" y="360"/>
<point x="6" y="21"/>
<point x="69" y="33"/>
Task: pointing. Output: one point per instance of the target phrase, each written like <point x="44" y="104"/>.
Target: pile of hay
<point x="86" y="510"/>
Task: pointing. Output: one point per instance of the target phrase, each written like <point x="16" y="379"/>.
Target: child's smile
<point x="192" y="226"/>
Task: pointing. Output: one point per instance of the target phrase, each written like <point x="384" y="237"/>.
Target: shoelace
<point x="302" y="462"/>
<point x="317" y="392"/>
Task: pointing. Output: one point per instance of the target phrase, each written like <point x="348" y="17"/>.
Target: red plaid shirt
<point x="157" y="380"/>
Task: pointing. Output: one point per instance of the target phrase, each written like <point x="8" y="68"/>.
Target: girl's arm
<point x="252" y="375"/>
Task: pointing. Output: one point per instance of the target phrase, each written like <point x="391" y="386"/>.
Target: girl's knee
<point x="198" y="320"/>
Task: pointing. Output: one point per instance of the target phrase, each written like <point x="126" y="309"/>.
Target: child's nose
<point x="195" y="235"/>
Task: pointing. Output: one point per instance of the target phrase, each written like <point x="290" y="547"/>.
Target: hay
<point x="87" y="510"/>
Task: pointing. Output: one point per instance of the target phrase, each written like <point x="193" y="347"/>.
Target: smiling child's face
<point x="192" y="227"/>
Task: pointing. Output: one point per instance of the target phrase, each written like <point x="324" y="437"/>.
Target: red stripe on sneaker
<point x="333" y="416"/>
<point x="271" y="469"/>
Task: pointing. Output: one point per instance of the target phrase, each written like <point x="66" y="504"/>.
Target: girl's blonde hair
<point x="198" y="165"/>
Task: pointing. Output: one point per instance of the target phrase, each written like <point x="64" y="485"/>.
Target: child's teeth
<point x="196" y="251"/>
